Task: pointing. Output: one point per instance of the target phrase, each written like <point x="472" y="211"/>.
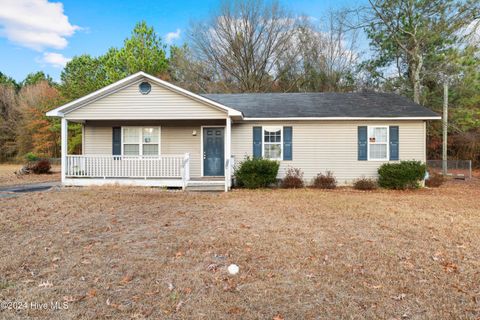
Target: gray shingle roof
<point x="328" y="104"/>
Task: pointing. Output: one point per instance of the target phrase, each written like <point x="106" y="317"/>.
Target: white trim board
<point x="140" y="149"/>
<point x="83" y="182"/>
<point x="272" y="128"/>
<point x="386" y="143"/>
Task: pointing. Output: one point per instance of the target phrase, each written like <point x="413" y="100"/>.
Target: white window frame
<point x="140" y="142"/>
<point x="272" y="128"/>
<point x="387" y="143"/>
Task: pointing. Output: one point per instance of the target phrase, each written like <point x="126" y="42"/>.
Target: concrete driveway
<point x="14" y="190"/>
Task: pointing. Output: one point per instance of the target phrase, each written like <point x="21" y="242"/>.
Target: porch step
<point x="204" y="186"/>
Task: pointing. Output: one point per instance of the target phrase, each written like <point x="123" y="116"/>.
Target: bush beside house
<point x="365" y="184"/>
<point x="402" y="175"/>
<point x="435" y="180"/>
<point x="325" y="181"/>
<point x="255" y="173"/>
<point x="293" y="179"/>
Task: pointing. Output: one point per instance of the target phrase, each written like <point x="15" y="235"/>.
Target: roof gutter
<point x="340" y="118"/>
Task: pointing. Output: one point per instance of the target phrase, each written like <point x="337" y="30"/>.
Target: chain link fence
<point x="458" y="169"/>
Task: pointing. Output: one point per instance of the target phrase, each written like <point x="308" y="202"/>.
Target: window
<point x="272" y="143"/>
<point x="141" y="141"/>
<point x="145" y="87"/>
<point x="377" y="143"/>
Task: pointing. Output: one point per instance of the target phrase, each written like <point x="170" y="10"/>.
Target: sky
<point x="42" y="35"/>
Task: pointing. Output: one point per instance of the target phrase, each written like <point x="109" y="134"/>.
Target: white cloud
<point x="54" y="59"/>
<point x="35" y="24"/>
<point x="172" y="36"/>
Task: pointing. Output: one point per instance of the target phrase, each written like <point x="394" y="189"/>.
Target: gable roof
<point x="329" y="105"/>
<point x="112" y="88"/>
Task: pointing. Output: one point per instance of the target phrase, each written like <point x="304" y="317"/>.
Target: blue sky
<point x="42" y="35"/>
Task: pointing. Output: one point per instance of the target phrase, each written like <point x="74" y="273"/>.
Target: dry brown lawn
<point x="118" y="253"/>
<point x="8" y="176"/>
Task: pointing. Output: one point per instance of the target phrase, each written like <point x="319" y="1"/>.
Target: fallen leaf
<point x="70" y="299"/>
<point x="450" y="267"/>
<point x="399" y="297"/>
<point x="152" y="293"/>
<point x="235" y="310"/>
<point x="212" y="267"/>
<point x="179" y="254"/>
<point x="45" y="284"/>
<point x="278" y="317"/>
<point x="179" y="306"/>
<point x="127" y="278"/>
<point x="88" y="248"/>
<point x="91" y="293"/>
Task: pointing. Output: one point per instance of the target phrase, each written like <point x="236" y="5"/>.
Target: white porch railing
<point x="110" y="166"/>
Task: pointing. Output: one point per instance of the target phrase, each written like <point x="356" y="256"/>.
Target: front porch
<point x="103" y="160"/>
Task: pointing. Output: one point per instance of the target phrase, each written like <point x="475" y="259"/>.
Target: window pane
<point x="377" y="134"/>
<point x="378" y="151"/>
<point x="273" y="151"/>
<point x="272" y="135"/>
<point x="150" y="149"/>
<point x="131" y="135"/>
<point x="131" y="149"/>
<point x="150" y="135"/>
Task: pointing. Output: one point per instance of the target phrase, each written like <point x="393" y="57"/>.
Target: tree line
<point x="259" y="46"/>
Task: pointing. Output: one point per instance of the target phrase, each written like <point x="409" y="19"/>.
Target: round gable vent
<point x="145" y="87"/>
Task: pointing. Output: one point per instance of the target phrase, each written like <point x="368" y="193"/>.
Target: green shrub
<point x="325" y="181"/>
<point x="403" y="175"/>
<point x="365" y="184"/>
<point x="255" y="173"/>
<point x="31" y="157"/>
<point x="293" y="179"/>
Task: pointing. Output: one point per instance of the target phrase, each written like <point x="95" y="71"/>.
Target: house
<point x="144" y="131"/>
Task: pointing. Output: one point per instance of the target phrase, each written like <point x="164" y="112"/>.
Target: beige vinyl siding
<point x="319" y="146"/>
<point x="129" y="104"/>
<point x="175" y="139"/>
<point x="179" y="140"/>
<point x="97" y="140"/>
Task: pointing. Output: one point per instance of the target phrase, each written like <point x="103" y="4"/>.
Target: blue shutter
<point x="394" y="143"/>
<point x="116" y="141"/>
<point x="257" y="142"/>
<point x="362" y="143"/>
<point x="287" y="143"/>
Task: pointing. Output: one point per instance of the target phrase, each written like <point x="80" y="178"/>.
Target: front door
<point x="213" y="152"/>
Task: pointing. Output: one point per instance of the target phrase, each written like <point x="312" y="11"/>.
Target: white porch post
<point x="64" y="142"/>
<point x="228" y="154"/>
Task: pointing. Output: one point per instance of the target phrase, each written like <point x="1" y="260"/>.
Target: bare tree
<point x="244" y="41"/>
<point x="328" y="54"/>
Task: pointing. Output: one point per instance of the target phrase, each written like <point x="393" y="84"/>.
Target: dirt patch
<point x="8" y="176"/>
<point x="124" y="253"/>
